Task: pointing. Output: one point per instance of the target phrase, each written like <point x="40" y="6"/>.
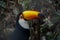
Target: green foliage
<point x="58" y="37"/>
<point x="2" y="4"/>
<point x="51" y="36"/>
<point x="26" y="3"/>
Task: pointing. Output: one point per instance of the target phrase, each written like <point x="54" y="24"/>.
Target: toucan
<point x="21" y="31"/>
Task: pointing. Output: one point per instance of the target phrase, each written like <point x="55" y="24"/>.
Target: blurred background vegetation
<point x="9" y="9"/>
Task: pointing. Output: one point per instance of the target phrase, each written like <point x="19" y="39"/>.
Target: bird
<point x="22" y="31"/>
